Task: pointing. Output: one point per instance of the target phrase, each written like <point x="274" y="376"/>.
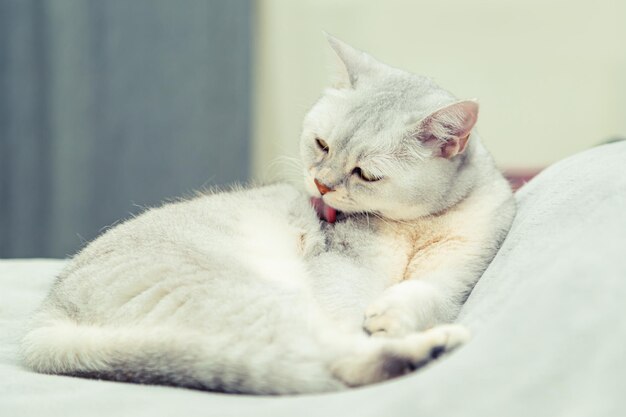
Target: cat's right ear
<point x="351" y="63"/>
<point x="447" y="130"/>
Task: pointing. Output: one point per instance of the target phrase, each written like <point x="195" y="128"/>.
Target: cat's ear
<point x="447" y="130"/>
<point x="351" y="63"/>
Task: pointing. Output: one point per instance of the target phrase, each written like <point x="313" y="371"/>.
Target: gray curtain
<point x="109" y="106"/>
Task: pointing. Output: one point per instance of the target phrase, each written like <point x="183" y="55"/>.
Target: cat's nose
<point x="323" y="188"/>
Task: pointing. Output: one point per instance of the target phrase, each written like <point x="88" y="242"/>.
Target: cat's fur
<point x="247" y="291"/>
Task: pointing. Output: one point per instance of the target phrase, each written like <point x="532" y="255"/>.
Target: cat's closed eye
<point x="364" y="175"/>
<point x="322" y="144"/>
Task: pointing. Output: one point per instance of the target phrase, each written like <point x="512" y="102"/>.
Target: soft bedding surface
<point x="548" y="318"/>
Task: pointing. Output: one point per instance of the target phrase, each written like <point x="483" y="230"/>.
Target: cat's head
<point x="383" y="140"/>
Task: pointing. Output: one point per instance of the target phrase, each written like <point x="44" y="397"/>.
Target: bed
<point x="548" y="318"/>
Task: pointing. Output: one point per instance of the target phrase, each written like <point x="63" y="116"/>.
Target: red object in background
<point x="519" y="177"/>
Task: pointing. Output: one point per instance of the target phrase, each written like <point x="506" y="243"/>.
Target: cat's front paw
<point x="388" y="316"/>
<point x="407" y="307"/>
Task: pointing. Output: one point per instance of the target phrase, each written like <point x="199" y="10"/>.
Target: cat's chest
<point x="371" y="244"/>
<point x="420" y="244"/>
<point x="395" y="250"/>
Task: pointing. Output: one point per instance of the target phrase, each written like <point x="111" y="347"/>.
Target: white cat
<point x="248" y="291"/>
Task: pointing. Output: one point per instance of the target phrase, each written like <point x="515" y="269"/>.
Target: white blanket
<point x="548" y="318"/>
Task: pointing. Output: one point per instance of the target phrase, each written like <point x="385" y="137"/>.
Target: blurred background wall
<point x="108" y="106"/>
<point x="550" y="76"/>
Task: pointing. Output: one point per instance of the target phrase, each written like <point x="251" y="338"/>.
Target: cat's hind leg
<point x="376" y="359"/>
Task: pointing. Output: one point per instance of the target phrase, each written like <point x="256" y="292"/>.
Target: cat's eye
<point x="322" y="144"/>
<point x="364" y="175"/>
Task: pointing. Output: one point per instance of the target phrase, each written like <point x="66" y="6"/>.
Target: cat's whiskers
<point x="286" y="162"/>
<point x="379" y="217"/>
<point x="289" y="168"/>
<point x="392" y="222"/>
<point x="367" y="216"/>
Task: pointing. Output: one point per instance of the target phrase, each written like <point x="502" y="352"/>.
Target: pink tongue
<point x="324" y="211"/>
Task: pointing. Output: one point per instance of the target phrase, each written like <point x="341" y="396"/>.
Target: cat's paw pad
<point x="384" y="317"/>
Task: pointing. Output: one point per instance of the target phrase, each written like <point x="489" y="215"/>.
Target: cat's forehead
<point x="385" y="101"/>
<point x="375" y="116"/>
<point x="362" y="136"/>
<point x="369" y="147"/>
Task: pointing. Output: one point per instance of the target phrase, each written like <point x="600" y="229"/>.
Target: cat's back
<point x="207" y="223"/>
<point x="200" y="242"/>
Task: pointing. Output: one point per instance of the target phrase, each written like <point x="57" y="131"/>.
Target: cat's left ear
<point x="447" y="130"/>
<point x="352" y="64"/>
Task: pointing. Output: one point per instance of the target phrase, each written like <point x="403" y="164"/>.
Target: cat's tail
<point x="178" y="358"/>
<point x="168" y="357"/>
